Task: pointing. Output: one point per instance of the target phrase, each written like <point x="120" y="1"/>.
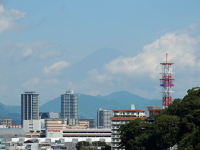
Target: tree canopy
<point x="178" y="124"/>
<point x="84" y="145"/>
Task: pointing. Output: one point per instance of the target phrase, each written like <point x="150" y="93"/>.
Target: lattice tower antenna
<point x="166" y="82"/>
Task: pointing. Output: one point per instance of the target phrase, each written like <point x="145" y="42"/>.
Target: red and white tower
<point x="166" y="82"/>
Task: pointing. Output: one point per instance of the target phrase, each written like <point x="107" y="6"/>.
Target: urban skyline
<point x="134" y="67"/>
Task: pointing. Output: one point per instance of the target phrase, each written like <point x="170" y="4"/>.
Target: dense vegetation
<point x="179" y="124"/>
<point x="83" y="145"/>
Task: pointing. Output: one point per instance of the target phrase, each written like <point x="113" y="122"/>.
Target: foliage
<point x="178" y="124"/>
<point x="99" y="143"/>
<point x="83" y="145"/>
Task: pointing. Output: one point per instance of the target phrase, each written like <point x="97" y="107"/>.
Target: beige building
<point x="81" y="132"/>
<point x="83" y="124"/>
<point x="54" y="128"/>
<point x="87" y="133"/>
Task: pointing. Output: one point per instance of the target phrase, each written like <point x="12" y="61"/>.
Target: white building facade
<point x="122" y="117"/>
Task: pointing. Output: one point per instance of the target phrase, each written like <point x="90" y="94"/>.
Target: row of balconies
<point x="115" y="132"/>
<point x="115" y="127"/>
<point x="115" y="136"/>
<point x="128" y="114"/>
<point x="116" y="140"/>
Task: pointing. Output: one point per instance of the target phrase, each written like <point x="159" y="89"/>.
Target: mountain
<point x="9" y="108"/>
<point x="10" y="112"/>
<point x="96" y="60"/>
<point x="88" y="105"/>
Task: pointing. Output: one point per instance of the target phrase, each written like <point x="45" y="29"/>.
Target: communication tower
<point x="166" y="82"/>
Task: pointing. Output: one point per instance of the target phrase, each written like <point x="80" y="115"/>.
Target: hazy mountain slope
<point x="10" y="112"/>
<point x="51" y="106"/>
<point x="88" y="105"/>
<point x="9" y="108"/>
<point x="79" y="71"/>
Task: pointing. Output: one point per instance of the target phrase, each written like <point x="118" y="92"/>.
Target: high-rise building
<point x="69" y="108"/>
<point x="103" y="118"/>
<point x="30" y="111"/>
<point x="122" y="117"/>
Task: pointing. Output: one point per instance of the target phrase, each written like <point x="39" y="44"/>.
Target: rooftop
<point x="130" y="110"/>
<point x="152" y="107"/>
<point x="127" y="118"/>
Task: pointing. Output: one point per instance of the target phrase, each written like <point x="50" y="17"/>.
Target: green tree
<point x="83" y="145"/>
<point x="178" y="124"/>
<point x="136" y="135"/>
<point x="166" y="129"/>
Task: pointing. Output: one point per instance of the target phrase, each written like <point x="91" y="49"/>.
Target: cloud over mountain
<point x="182" y="49"/>
<point x="56" y="67"/>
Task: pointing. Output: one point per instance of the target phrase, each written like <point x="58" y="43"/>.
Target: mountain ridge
<point x="88" y="105"/>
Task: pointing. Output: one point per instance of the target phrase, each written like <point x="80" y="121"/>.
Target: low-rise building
<point x="92" y="122"/>
<point x="154" y="110"/>
<point x="32" y="125"/>
<point x="87" y="133"/>
<point x="54" y="127"/>
<point x="5" y="123"/>
<point x="49" y="115"/>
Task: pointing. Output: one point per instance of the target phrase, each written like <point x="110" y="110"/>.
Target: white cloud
<point x="182" y="49"/>
<point x="56" y="67"/>
<point x="50" y="54"/>
<point x="40" y="51"/>
<point x="51" y="81"/>
<point x="31" y="84"/>
<point x="97" y="77"/>
<point x="8" y="18"/>
<point x="27" y="53"/>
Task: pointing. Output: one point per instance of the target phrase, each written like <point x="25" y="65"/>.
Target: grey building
<point x="30" y="111"/>
<point x="49" y="115"/>
<point x="103" y="118"/>
<point x="6" y="122"/>
<point x="92" y="122"/>
<point x="69" y="108"/>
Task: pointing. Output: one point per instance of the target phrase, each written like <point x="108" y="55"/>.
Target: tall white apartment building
<point x="69" y="108"/>
<point x="30" y="111"/>
<point x="122" y="117"/>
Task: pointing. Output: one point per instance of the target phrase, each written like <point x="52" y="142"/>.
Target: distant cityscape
<point x="51" y="128"/>
<point x="99" y="75"/>
<point x="64" y="130"/>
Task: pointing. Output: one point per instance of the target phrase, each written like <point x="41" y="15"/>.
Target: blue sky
<point x="41" y="40"/>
